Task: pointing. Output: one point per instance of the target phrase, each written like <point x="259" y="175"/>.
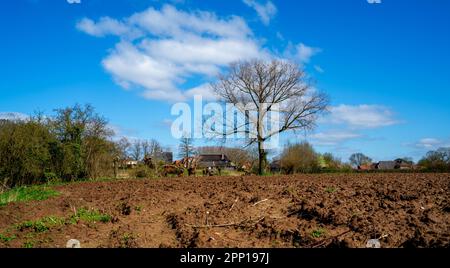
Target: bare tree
<point x="136" y="150"/>
<point x="359" y="159"/>
<point x="186" y="147"/>
<point x="123" y="147"/>
<point x="155" y="148"/>
<point x="276" y="86"/>
<point x="145" y="146"/>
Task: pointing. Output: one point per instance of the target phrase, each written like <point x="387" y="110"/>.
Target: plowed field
<point x="344" y="210"/>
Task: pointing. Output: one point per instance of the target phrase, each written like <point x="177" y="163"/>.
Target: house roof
<point x="275" y="164"/>
<point x="403" y="161"/>
<point x="366" y="167"/>
<point x="387" y="165"/>
<point x="213" y="158"/>
<point x="166" y="156"/>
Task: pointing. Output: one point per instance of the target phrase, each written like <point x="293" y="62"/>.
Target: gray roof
<point x="165" y="156"/>
<point x="214" y="157"/>
<point x="386" y="165"/>
<point x="214" y="160"/>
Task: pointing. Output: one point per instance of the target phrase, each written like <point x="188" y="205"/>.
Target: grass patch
<point x="23" y="194"/>
<point x="231" y="173"/>
<point x="41" y="225"/>
<point x="127" y="240"/>
<point x="330" y="190"/>
<point x="28" y="244"/>
<point x="6" y="239"/>
<point x="318" y="233"/>
<point x="44" y="224"/>
<point x="89" y="216"/>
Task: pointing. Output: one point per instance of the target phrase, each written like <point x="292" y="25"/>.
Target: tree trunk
<point x="116" y="169"/>
<point x="261" y="158"/>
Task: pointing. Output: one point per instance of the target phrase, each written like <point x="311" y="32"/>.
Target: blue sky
<point x="385" y="66"/>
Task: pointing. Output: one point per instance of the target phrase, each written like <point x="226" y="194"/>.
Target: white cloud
<point x="204" y="90"/>
<point x="74" y="1"/>
<point x="129" y="64"/>
<point x="280" y="36"/>
<point x="362" y="116"/>
<point x="122" y="132"/>
<point x="305" y="53"/>
<point x="13" y="116"/>
<point x="160" y="49"/>
<point x="171" y="22"/>
<point x="106" y="26"/>
<point x="266" y="12"/>
<point x="431" y="144"/>
<point x="319" y="69"/>
<point x="332" y="138"/>
<point x="167" y="123"/>
<point x="301" y="53"/>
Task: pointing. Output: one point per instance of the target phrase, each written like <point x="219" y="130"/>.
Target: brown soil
<point x="402" y="210"/>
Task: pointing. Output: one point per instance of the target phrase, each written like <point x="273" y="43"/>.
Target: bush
<point x="24" y="152"/>
<point x="50" y="177"/>
<point x="143" y="172"/>
<point x="331" y="162"/>
<point x="436" y="161"/>
<point x="300" y="158"/>
<point x="73" y="144"/>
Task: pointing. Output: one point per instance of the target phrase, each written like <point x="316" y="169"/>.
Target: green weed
<point x="90" y="216"/>
<point x="5" y="238"/>
<point x="41" y="225"/>
<point x="23" y="194"/>
<point x="330" y="190"/>
<point x="318" y="233"/>
<point x="28" y="244"/>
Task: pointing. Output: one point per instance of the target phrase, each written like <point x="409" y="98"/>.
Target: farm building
<point x="214" y="160"/>
<point x="128" y="163"/>
<point x="404" y="164"/>
<point x="386" y="165"/>
<point x="368" y="167"/>
<point x="396" y="164"/>
<point x="275" y="166"/>
<point x="167" y="157"/>
<point x="389" y="165"/>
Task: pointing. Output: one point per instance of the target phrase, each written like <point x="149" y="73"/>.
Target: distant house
<point x="214" y="160"/>
<point x="403" y="164"/>
<point x="165" y="156"/>
<point x="393" y="165"/>
<point x="367" y="167"/>
<point x="275" y="166"/>
<point x="128" y="163"/>
<point x="386" y="165"/>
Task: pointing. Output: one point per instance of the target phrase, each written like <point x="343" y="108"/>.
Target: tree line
<point x="436" y="161"/>
<point x="302" y="158"/>
<point x="75" y="143"/>
<point x="138" y="149"/>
